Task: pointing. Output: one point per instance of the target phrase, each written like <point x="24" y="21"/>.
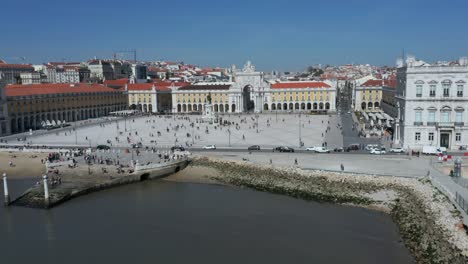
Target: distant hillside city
<point x="418" y="103"/>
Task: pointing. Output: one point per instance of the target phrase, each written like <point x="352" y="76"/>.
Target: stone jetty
<point x="429" y="224"/>
<point x="79" y="181"/>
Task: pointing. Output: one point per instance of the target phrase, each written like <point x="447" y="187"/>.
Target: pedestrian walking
<point x="342" y="167"/>
<point x="295" y="161"/>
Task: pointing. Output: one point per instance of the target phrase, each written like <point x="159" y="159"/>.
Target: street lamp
<point x="256" y="116"/>
<point x="300" y="139"/>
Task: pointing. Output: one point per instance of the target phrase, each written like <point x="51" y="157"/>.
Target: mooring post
<point x="5" y="189"/>
<point x="46" y="190"/>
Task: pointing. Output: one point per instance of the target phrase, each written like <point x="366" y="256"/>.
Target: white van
<point x="433" y="150"/>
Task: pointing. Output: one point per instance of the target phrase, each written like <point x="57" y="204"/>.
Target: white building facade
<point x="432" y="104"/>
<point x="4" y="123"/>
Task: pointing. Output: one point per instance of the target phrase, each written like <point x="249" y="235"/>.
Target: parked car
<point x="338" y="150"/>
<point x="311" y="148"/>
<point x="254" y="147"/>
<point x="102" y="147"/>
<point x="378" y="151"/>
<point x="283" y="149"/>
<point x="353" y="147"/>
<point x="322" y="150"/>
<point x="397" y="150"/>
<point x="177" y="148"/>
<point x="209" y="147"/>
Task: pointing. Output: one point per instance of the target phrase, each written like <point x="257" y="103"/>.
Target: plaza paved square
<point x="273" y="130"/>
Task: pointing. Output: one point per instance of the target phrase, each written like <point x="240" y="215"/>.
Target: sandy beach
<point x="25" y="165"/>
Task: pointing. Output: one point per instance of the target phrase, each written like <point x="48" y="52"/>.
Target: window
<point x="417" y="136"/>
<point x="460" y="90"/>
<point x="446" y="89"/>
<point x="432" y="90"/>
<point x="431" y="116"/>
<point x="363" y="97"/>
<point x="418" y="116"/>
<point x="445" y="116"/>
<point x="459" y="117"/>
<point x="418" y="90"/>
<point x="431" y="136"/>
<point x="458" y="137"/>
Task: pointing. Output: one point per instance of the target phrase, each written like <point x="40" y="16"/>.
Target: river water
<point x="167" y="222"/>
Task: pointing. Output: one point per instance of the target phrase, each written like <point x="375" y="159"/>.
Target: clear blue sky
<point x="274" y="34"/>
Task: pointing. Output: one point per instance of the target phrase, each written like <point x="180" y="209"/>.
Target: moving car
<point x="338" y="150"/>
<point x="104" y="147"/>
<point x="322" y="150"/>
<point x="378" y="151"/>
<point x="254" y="147"/>
<point x="369" y="147"/>
<point x="283" y="149"/>
<point x="397" y="150"/>
<point x="209" y="147"/>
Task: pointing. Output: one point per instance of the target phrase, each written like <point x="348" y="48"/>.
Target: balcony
<point x="431" y="123"/>
<point x="418" y="123"/>
<point x="459" y="124"/>
<point x="445" y="124"/>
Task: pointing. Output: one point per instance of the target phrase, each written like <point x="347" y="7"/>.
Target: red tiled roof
<point x="121" y="82"/>
<point x="140" y="86"/>
<point x="55" y="88"/>
<point x="205" y="87"/>
<point x="23" y="66"/>
<point x="158" y="86"/>
<point x="295" y="85"/>
<point x="379" y="83"/>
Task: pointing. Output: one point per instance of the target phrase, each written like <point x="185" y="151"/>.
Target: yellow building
<point x="369" y="94"/>
<point x="151" y="97"/>
<point x="192" y="98"/>
<point x="301" y="96"/>
<point x="38" y="105"/>
<point x="281" y="96"/>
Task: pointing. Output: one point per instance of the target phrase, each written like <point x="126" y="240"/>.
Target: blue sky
<point x="275" y="34"/>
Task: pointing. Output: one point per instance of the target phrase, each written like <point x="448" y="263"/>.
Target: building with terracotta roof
<point x="249" y="91"/>
<point x="37" y="105"/>
<point x="11" y="72"/>
<point x="302" y="96"/>
<point x="368" y="95"/>
<point x="152" y="97"/>
<point x="4" y="124"/>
